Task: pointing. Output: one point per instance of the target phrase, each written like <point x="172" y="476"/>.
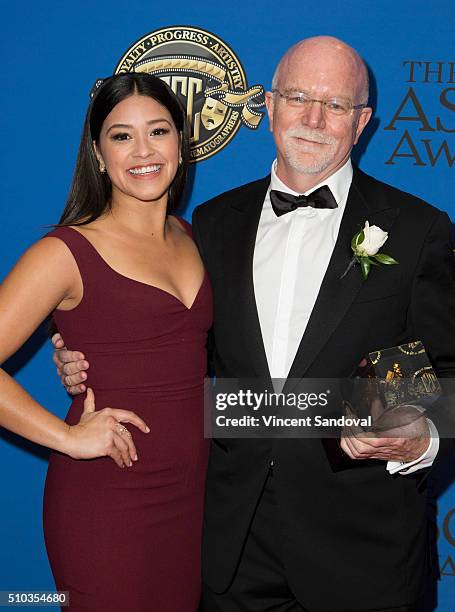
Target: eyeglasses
<point x="333" y="106"/>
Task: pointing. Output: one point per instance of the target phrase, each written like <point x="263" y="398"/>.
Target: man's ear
<point x="364" y="118"/>
<point x="269" y="103"/>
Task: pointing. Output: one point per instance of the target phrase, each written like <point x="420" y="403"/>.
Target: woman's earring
<point x="102" y="167"/>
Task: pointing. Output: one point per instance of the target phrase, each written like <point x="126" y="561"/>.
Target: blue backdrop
<point x="52" y="51"/>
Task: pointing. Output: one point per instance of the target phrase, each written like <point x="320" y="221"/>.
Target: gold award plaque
<point x="207" y="77"/>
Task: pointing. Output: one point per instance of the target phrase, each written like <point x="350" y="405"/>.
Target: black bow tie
<point x="283" y="203"/>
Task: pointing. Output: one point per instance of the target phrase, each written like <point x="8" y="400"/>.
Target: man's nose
<point x="313" y="115"/>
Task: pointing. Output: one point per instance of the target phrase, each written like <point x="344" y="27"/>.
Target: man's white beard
<point x="293" y="151"/>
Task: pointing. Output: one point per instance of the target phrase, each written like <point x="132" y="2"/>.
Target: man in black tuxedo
<point x="283" y="531"/>
<point x="299" y="535"/>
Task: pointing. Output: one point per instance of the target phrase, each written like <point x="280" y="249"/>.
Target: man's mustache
<point x="312" y="135"/>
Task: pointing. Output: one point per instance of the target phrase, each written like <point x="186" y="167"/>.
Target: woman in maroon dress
<point x="125" y="283"/>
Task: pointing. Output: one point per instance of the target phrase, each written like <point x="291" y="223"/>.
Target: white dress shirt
<point x="291" y="256"/>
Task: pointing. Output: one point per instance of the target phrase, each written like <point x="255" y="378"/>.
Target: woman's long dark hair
<point x="91" y="191"/>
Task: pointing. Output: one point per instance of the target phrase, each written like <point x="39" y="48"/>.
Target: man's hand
<point x="71" y="366"/>
<point x="406" y="443"/>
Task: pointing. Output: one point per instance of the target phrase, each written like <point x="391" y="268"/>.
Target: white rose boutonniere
<point x="365" y="245"/>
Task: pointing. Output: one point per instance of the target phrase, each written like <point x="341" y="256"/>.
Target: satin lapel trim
<point x="336" y="295"/>
<point x="243" y="224"/>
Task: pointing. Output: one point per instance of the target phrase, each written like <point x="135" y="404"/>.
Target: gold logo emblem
<point x="208" y="78"/>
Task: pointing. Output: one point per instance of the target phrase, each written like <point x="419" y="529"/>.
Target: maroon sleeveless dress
<point x="129" y="539"/>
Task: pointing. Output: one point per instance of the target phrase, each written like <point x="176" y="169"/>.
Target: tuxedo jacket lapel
<point x="239" y="235"/>
<point x="337" y="294"/>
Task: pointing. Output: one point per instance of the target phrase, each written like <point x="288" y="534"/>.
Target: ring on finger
<point x="123" y="430"/>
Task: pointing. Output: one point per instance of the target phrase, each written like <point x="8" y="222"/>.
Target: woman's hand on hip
<point x="100" y="433"/>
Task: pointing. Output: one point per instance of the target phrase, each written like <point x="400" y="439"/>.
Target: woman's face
<point x="140" y="147"/>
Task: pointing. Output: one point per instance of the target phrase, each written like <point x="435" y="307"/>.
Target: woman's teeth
<point x="144" y="169"/>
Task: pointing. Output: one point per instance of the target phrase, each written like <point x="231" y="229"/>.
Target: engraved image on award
<point x="391" y="388"/>
<point x="394" y="386"/>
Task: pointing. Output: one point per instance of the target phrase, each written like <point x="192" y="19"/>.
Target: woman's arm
<point x="47" y="277"/>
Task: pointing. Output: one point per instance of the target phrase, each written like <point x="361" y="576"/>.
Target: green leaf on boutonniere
<point x="365" y="265"/>
<point x="385" y="259"/>
<point x="357" y="239"/>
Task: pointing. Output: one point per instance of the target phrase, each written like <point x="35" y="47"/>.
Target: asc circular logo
<point x="208" y="78"/>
